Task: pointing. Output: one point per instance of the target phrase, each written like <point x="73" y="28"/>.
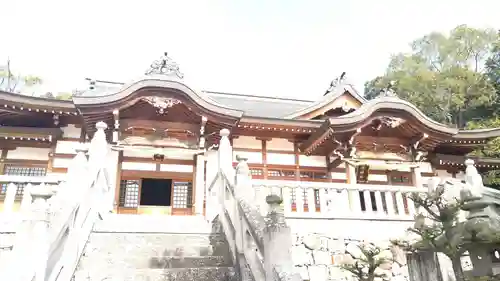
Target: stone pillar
<point x="277" y="241"/>
<point x="40" y="220"/>
<point x="424" y="266"/>
<point x="200" y="185"/>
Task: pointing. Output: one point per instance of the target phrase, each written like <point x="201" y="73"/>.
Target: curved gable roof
<point x="336" y="93"/>
<point x="391" y="105"/>
<point x="131" y="92"/>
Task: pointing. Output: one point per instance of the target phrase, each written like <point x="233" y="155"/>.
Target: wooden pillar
<point x="328" y="170"/>
<point x="118" y="181"/>
<point x="264" y="157"/>
<point x="199" y="184"/>
<point x="3" y="158"/>
<point x="297" y="160"/>
<point x="50" y="163"/>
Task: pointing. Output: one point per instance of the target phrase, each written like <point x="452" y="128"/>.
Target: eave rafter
<point x="23" y="135"/>
<point x="457" y="162"/>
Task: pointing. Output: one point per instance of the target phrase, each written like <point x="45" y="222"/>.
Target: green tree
<point x="491" y="149"/>
<point x="14" y="83"/>
<point x="437" y="227"/>
<point x="443" y="74"/>
<point x="367" y="261"/>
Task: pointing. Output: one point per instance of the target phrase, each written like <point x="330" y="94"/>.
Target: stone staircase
<point x="155" y="248"/>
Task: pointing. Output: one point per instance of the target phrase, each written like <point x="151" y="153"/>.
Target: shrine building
<point x="165" y="136"/>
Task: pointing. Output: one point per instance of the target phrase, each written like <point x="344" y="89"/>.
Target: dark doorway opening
<point x="156" y="192"/>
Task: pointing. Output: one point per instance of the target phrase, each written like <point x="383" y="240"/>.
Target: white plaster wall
<point x="61" y="162"/>
<point x="247" y="142"/>
<point x="279" y="144"/>
<point x="339" y="176"/>
<point x="280" y="159"/>
<point x="177" y="153"/>
<point x="138" y="166"/>
<point x="372" y="177"/>
<point x="66" y="147"/>
<point x="425" y="167"/>
<point x="138" y="153"/>
<point x="353" y="229"/>
<point x="29" y="153"/>
<point x="71" y="131"/>
<point x="253" y="157"/>
<point x="176" y="168"/>
<point x="312" y="161"/>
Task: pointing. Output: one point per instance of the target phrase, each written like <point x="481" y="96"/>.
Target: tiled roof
<point x="254" y="106"/>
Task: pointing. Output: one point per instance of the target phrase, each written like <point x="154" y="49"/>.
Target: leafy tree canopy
<point x="444" y="74"/>
<point x="15" y="83"/>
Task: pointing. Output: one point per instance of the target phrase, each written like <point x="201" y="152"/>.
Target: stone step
<point x="104" y="262"/>
<point x="153" y="224"/>
<point x="154" y="244"/>
<point x="177" y="274"/>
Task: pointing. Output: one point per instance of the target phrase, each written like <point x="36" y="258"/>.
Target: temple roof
<point x="336" y="116"/>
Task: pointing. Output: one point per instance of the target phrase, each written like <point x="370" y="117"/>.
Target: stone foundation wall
<point x="324" y="262"/>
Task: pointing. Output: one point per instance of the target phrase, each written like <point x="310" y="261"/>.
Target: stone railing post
<point x="78" y="165"/>
<point x="40" y="222"/>
<point x="98" y="146"/>
<point x="277" y="242"/>
<point x="225" y="153"/>
<point x="243" y="178"/>
<point x="10" y="197"/>
<point x="98" y="154"/>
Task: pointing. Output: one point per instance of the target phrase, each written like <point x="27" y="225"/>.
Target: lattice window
<point x="129" y="193"/>
<point x="256" y="172"/>
<point x="182" y="195"/>
<point x="304" y="199"/>
<point x="401" y="178"/>
<point x="317" y="202"/>
<point x="17" y="170"/>
<point x="293" y="199"/>
<point x="313" y="175"/>
<point x="281" y="173"/>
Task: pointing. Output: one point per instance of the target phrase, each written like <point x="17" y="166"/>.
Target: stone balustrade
<point x="56" y="215"/>
<point x="338" y="200"/>
<point x="14" y="192"/>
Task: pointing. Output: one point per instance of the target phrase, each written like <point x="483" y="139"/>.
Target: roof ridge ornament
<point x="336" y="82"/>
<point x="388" y="91"/>
<point x="165" y="66"/>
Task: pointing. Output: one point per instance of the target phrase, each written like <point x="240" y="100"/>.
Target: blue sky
<point x="291" y="48"/>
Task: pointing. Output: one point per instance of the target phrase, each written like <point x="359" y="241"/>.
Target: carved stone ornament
<point x="161" y="104"/>
<point x="165" y="66"/>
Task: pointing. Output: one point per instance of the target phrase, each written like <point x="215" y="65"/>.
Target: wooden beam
<point x="158" y="125"/>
